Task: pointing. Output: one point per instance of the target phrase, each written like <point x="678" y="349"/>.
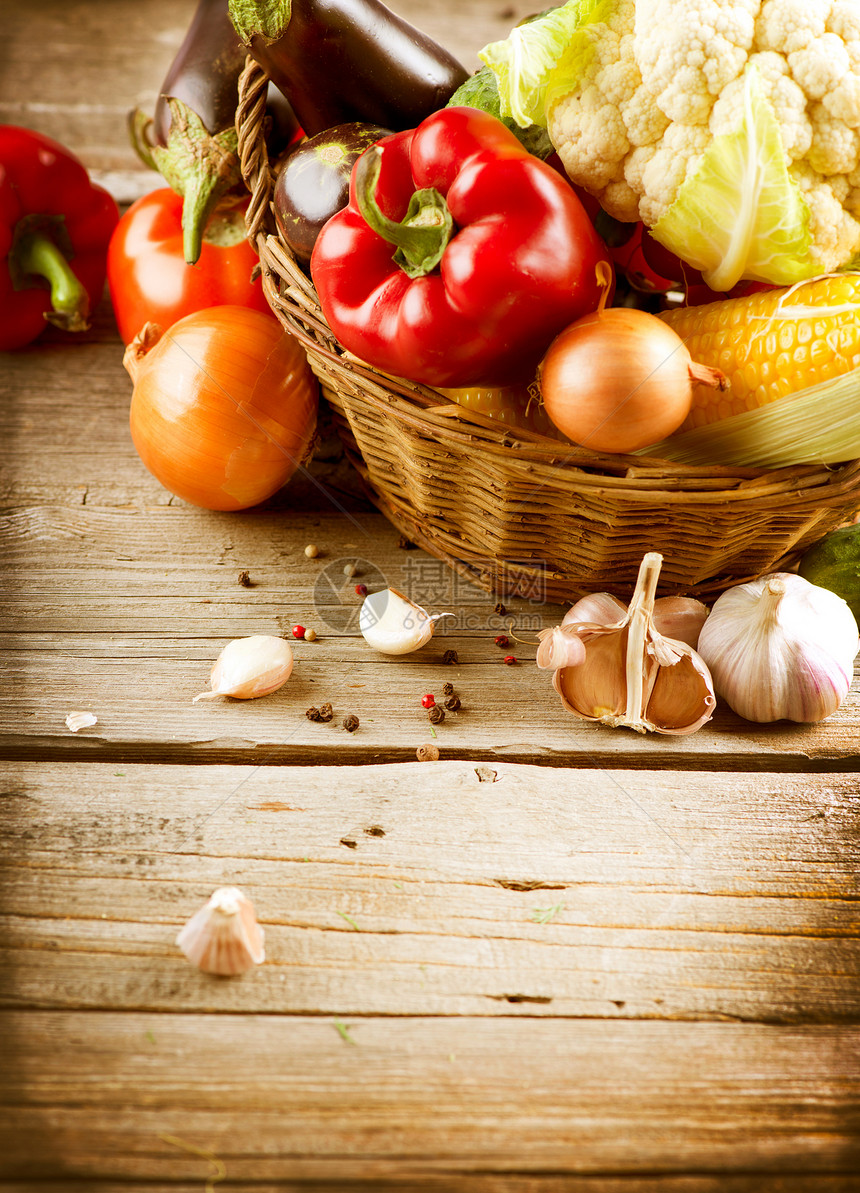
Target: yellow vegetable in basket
<point x="771" y="344"/>
<point x="512" y="405"/>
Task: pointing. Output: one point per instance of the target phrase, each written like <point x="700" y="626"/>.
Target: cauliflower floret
<point x="591" y="138"/>
<point x="844" y="20"/>
<point x="835" y="233"/>
<point x="788" y="25"/>
<point x="820" y="65"/>
<point x="786" y="98"/>
<point x="834" y="145"/>
<point x="688" y="53"/>
<point x="677" y="156"/>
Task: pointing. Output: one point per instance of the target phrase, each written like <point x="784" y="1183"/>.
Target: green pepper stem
<point x="38" y="255"/>
<point x="423" y="234"/>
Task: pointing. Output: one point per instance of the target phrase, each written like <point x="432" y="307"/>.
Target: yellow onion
<point x="224" y="406"/>
<point x="614" y="381"/>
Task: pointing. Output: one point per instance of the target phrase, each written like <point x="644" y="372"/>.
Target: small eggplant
<point x="340" y="61"/>
<point x="313" y="184"/>
<point x="191" y="139"/>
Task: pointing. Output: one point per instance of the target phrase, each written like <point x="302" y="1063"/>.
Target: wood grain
<point x="439" y="888"/>
<point x="122" y="610"/>
<point x="294" y="1098"/>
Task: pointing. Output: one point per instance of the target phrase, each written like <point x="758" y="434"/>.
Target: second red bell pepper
<point x="55" y="224"/>
<point x="460" y="256"/>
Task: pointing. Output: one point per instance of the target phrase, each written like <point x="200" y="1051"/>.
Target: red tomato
<point x="150" y="280"/>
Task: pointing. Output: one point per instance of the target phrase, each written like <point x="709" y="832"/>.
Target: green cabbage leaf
<point x="740" y="214"/>
<point x="543" y="59"/>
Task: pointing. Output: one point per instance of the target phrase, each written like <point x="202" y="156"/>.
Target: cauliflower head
<point x="742" y="115"/>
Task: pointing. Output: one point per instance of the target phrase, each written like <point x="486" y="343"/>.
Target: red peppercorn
<point x="428" y="701"/>
<point x="361" y="590"/>
<point x="502" y="640"/>
<point x="509" y="660"/>
<point x="298" y="631"/>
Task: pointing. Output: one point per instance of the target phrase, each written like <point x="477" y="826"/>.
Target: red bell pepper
<point x="495" y="255"/>
<point x="55" y="224"/>
<point x="149" y="278"/>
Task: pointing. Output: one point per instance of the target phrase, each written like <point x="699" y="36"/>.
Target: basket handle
<point x="253" y="152"/>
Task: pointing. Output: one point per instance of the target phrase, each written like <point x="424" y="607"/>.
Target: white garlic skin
<point x="780" y="648"/>
<point x="559" y="647"/>
<point x="223" y="937"/>
<point x="250" y="667"/>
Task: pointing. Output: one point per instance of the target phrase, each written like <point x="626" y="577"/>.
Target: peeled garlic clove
<point x="781" y="648"/>
<point x="680" y="618"/>
<point x="559" y="647"/>
<point x="223" y="937"/>
<point x="250" y="667"/>
<point x="392" y="624"/>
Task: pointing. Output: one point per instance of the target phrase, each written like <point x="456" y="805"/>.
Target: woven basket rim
<point x="294" y="301"/>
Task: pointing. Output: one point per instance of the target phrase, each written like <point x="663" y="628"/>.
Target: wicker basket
<point x="518" y="513"/>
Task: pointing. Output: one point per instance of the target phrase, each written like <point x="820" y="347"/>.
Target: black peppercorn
<point x="450" y="656"/>
<point x="447" y="689"/>
<point x="436" y="715"/>
<point x="326" y="712"/>
<point x="453" y="704"/>
<point x="350" y="723"/>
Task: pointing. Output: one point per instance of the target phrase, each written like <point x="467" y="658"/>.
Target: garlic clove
<point x="559" y="647"/>
<point x="394" y="625"/>
<point x="250" y="667"/>
<point x="682" y="697"/>
<point x="599" y="607"/>
<point x="595" y="689"/>
<point x="781" y="648"/>
<point x="223" y="937"/>
<point x="680" y="618"/>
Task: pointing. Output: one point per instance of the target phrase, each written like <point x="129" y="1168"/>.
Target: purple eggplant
<point x="191" y="139"/>
<point x="313" y="183"/>
<point x="344" y="61"/>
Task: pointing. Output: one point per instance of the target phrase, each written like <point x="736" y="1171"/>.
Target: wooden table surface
<point x="560" y="958"/>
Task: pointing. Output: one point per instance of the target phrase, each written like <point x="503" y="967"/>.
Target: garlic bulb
<point x="223" y="937"/>
<point x="673" y="617"/>
<point x="781" y="648"/>
<point x="250" y="667"/>
<point x="392" y="624"/>
<point x="631" y="674"/>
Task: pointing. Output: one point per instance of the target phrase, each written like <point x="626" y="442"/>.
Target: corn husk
<point x="818" y="425"/>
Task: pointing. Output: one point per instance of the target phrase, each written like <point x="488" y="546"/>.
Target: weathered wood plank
<point x="93" y="1096"/>
<point x="122" y="611"/>
<point x="420" y="889"/>
<point x="468" y="1183"/>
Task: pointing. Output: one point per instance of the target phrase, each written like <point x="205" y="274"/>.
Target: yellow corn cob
<point x="771" y="344"/>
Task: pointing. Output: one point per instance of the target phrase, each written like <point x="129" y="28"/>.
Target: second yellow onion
<point x="224" y="406"/>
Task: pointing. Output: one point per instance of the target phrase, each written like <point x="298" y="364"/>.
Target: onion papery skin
<point x="224" y="406"/>
<point x="613" y="382"/>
